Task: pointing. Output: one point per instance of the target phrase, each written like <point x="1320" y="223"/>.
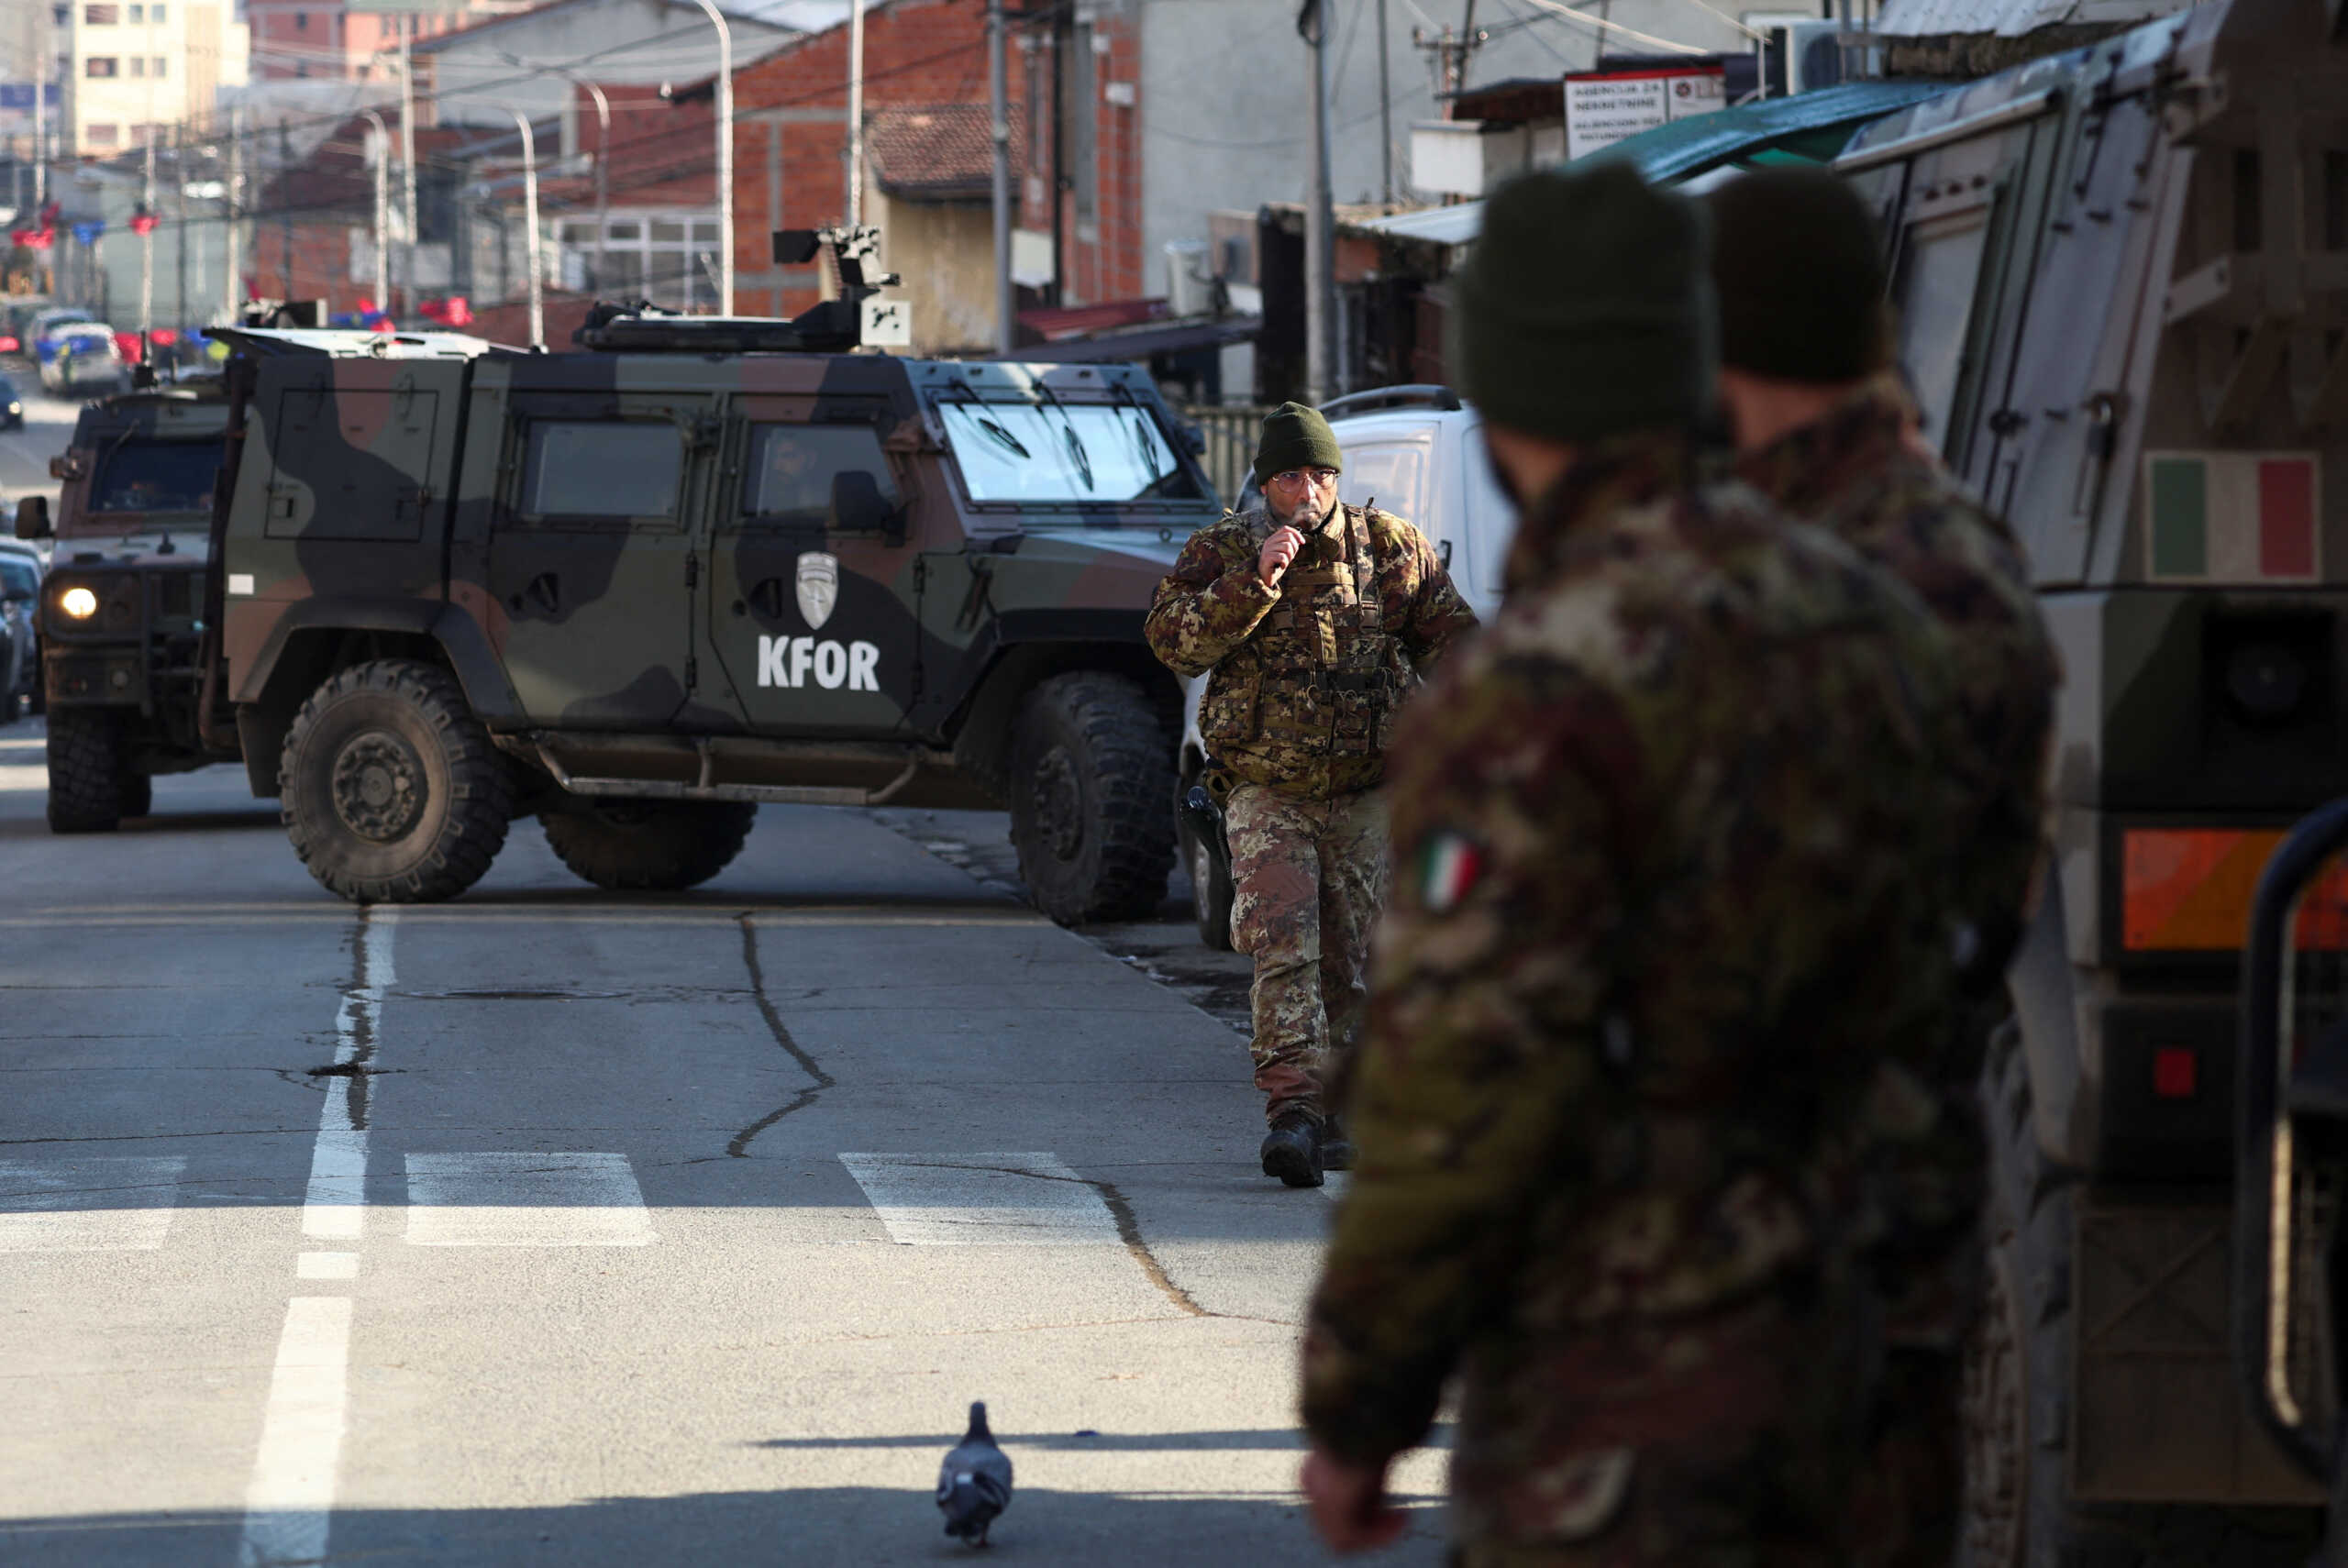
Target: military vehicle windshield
<point x="155" y="476"/>
<point x="1053" y="451"/>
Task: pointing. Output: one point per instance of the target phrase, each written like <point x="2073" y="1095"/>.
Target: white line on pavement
<point x="506" y="1200"/>
<point x="288" y="1505"/>
<point x="86" y="1204"/>
<point x="982" y="1201"/>
<point x="336" y="1203"/>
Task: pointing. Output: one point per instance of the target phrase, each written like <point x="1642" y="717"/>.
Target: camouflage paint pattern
<point x="1309" y="876"/>
<point x="1307" y="675"/>
<point x="394" y="489"/>
<point x="1632" y="1066"/>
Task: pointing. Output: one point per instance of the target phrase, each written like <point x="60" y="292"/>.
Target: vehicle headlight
<point x="16" y="408"/>
<point x="79" y="603"/>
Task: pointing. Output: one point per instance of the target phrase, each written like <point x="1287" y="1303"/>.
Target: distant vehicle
<point x="80" y="357"/>
<point x="12" y="405"/>
<point x="125" y="623"/>
<point x="1418" y="452"/>
<point x="20" y="575"/>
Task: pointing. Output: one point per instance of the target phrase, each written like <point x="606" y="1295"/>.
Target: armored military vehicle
<point x="699" y="564"/>
<point x="123" y="625"/>
<point x="2123" y="274"/>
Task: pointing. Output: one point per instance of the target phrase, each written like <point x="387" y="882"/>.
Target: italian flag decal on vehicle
<point x="2232" y="517"/>
<point x="1448" y="867"/>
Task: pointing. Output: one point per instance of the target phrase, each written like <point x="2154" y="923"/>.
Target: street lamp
<point x="724" y="156"/>
<point x="383" y="148"/>
<point x="603" y="158"/>
<point x="530" y="213"/>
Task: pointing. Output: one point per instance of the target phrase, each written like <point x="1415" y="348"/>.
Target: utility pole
<point x="530" y="242"/>
<point x="408" y="162"/>
<point x="855" y="113"/>
<point x="724" y="156"/>
<point x="46" y="63"/>
<point x="999" y="126"/>
<point x="286" y="209"/>
<point x="1451" y="52"/>
<point x="179" y="232"/>
<point x="1319" y="226"/>
<point x="232" y="251"/>
<point x="147" y="256"/>
<point x="380" y="149"/>
<point x="1385" y="115"/>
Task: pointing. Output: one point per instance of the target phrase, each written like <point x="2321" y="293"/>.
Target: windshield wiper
<point x="1074" y="442"/>
<point x="993" y="429"/>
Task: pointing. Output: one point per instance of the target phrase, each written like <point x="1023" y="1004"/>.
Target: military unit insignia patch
<point x="1449" y="867"/>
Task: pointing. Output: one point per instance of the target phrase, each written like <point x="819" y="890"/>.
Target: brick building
<point x="928" y="57"/>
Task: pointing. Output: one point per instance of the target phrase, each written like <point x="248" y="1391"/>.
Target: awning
<point x="1809" y="128"/>
<point x="1173" y="337"/>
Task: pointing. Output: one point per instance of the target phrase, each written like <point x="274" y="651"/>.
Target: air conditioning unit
<point x="1800" y="56"/>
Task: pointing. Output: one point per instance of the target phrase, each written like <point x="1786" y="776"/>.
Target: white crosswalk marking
<point x="89" y="1203"/>
<point x="562" y="1199"/>
<point x="982" y="1201"/>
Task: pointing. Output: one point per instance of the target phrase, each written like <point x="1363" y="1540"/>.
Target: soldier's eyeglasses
<point x="1322" y="478"/>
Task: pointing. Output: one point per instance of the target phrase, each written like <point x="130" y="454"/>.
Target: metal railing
<point x="1230" y="432"/>
<point x="2291" y="1142"/>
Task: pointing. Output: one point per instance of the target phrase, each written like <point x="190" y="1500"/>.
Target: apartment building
<point x="131" y="69"/>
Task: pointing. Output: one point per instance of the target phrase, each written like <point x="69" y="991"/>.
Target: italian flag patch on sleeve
<point x="1449" y="867"/>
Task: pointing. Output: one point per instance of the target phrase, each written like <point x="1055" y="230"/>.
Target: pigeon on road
<point x="974" y="1484"/>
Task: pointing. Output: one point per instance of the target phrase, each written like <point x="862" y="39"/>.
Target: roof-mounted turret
<point x="857" y="319"/>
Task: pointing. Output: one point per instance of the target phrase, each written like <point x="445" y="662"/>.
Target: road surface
<point x="553" y="1226"/>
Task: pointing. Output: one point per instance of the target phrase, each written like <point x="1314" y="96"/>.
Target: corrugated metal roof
<point x="2012" y="19"/>
<point x="1686" y="149"/>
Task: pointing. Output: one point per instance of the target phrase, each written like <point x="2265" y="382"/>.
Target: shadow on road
<point x="849" y="1527"/>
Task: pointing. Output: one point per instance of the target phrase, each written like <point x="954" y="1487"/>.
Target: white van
<point x="1418" y="452"/>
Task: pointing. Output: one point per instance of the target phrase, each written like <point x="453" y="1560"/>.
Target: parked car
<point x="12" y="405"/>
<point x="80" y="357"/>
<point x="1418" y="452"/>
<point x="20" y="575"/>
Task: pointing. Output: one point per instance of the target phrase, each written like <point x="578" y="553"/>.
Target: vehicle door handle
<point x="766" y="598"/>
<point x="545" y="591"/>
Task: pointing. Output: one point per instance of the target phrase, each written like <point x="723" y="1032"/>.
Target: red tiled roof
<point x="940" y="151"/>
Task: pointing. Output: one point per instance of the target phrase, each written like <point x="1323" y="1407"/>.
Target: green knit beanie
<point x="1586" y="307"/>
<point x="1799" y="265"/>
<point x="1295" y="437"/>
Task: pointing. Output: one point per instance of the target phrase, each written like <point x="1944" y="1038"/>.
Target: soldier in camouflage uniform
<point x="1315" y="619"/>
<point x="1824" y="428"/>
<point x="1659" y="905"/>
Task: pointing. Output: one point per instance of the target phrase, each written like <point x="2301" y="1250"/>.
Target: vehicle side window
<point x="1391" y="473"/>
<point x="18" y="580"/>
<point x="601" y="470"/>
<point x="1939" y="277"/>
<point x="787" y="480"/>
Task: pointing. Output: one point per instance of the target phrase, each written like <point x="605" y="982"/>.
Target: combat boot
<point x="1337" y="1149"/>
<point x="1292" y="1150"/>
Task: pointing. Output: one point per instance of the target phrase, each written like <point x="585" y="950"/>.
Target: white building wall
<point x="1226" y="93"/>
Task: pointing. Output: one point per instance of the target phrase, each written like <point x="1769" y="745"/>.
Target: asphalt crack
<point x="738" y="1146"/>
<point x="359" y="1017"/>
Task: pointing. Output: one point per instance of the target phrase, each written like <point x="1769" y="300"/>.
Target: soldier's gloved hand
<point x="1278" y="551"/>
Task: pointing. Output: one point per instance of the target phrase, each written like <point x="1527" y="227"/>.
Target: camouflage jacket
<point x="1851" y="473"/>
<point x="1654" y="834"/>
<point x="1307" y="676"/>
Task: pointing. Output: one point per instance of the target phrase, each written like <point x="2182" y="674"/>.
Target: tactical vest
<point x="1320" y="675"/>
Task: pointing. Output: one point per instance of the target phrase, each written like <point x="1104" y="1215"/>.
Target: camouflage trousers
<point x="1754" y="1436"/>
<point x="1308" y="877"/>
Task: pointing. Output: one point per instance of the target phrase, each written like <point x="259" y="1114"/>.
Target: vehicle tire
<point x="2018" y="1511"/>
<point x="1091" y="769"/>
<point x="1211" y="887"/>
<point x="86" y="772"/>
<point x="390" y="788"/>
<point x="137" y="795"/>
<point x="631" y="846"/>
